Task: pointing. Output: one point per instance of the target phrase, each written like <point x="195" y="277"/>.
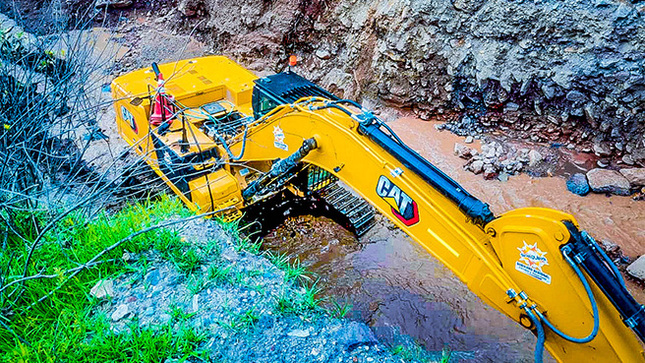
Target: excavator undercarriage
<point x="229" y="143"/>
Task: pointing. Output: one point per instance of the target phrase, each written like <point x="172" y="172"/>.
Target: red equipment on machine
<point x="163" y="109"/>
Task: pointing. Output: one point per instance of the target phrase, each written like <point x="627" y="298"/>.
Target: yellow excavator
<point x="228" y="142"/>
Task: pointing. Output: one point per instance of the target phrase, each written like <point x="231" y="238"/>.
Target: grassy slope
<point x="67" y="326"/>
<point x="62" y="325"/>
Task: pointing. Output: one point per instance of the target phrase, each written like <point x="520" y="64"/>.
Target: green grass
<point x="242" y="321"/>
<point x="62" y="327"/>
<point x="339" y="310"/>
<point x="416" y="353"/>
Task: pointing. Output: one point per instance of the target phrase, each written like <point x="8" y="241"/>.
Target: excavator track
<point x="359" y="213"/>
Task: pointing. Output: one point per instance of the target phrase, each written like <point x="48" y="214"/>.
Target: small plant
<point x="218" y="273"/>
<point x="241" y="321"/>
<point x="196" y="284"/>
<point x="415" y="352"/>
<point x="245" y="244"/>
<point x="296" y="271"/>
<point x="188" y="261"/>
<point x="339" y="310"/>
<point x="177" y="314"/>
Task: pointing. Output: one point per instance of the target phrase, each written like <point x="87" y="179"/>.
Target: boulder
<point x="608" y="181"/>
<point x="637" y="268"/>
<point x="578" y="184"/>
<point x="636" y="176"/>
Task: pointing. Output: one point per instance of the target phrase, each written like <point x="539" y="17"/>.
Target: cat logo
<point x="403" y="207"/>
<point x="129" y="119"/>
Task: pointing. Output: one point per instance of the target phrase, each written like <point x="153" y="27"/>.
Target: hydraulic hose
<point x="228" y="151"/>
<point x="592" y="300"/>
<point x="539" y="345"/>
<point x="602" y="253"/>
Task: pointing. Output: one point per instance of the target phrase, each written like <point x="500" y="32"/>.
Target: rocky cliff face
<point x="567" y="72"/>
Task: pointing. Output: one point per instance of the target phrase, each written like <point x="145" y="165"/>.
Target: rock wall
<point x="567" y="72"/>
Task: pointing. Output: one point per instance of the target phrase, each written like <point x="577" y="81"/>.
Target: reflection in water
<point x="397" y="288"/>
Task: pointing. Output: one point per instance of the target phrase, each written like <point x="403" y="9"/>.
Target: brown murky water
<point x="397" y="288"/>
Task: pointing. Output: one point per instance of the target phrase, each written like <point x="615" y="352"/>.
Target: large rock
<point x="637" y="268"/>
<point x="355" y="334"/>
<point x="608" y="181"/>
<point x="636" y="176"/>
<point x="578" y="184"/>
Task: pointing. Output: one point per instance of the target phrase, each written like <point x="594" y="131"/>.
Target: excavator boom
<point x="234" y="141"/>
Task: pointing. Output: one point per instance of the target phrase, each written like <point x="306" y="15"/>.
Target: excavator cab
<point x="283" y="88"/>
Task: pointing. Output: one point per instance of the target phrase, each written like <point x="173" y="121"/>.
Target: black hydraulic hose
<point x="632" y="312"/>
<point x="370" y="125"/>
<point x="474" y="208"/>
<point x="602" y="253"/>
<point x="228" y="151"/>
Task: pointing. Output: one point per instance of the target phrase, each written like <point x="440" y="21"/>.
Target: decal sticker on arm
<point x="403" y="206"/>
<point x="278" y="139"/>
<point x="531" y="261"/>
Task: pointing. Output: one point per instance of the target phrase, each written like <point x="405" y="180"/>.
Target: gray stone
<point x="636" y="176"/>
<point x="601" y="149"/>
<point x="463" y="151"/>
<point x="299" y="333"/>
<point x="477" y="166"/>
<point x="113" y="3"/>
<point x="355" y="334"/>
<point x="608" y="181"/>
<point x="637" y="268"/>
<point x="511" y="107"/>
<point x="469" y="139"/>
<point x="535" y="158"/>
<point x="121" y="312"/>
<point x="152" y="278"/>
<point x="102" y="289"/>
<point x="576" y="96"/>
<point x="627" y="159"/>
<point x="323" y="54"/>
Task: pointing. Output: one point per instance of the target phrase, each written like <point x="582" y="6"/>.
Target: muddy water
<point x="397" y="288"/>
